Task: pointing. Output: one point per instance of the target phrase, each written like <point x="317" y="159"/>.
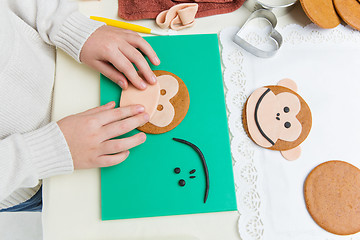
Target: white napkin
<point x="326" y="66"/>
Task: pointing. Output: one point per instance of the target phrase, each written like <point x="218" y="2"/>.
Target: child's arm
<point x="79" y="141"/>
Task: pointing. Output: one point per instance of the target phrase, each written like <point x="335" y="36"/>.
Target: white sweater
<point x="31" y="147"/>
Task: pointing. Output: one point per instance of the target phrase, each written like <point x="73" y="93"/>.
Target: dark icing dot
<point x="192" y="171"/>
<point x="278" y="114"/>
<point x="286" y="109"/>
<point x="277" y="118"/>
<point x="182" y="182"/>
<point x="192" y="176"/>
<point x="287" y="124"/>
<point x="177" y="170"/>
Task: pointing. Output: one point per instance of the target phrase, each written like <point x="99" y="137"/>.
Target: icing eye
<point x="163" y="92"/>
<point x="182" y="182"/>
<point x="286" y="109"/>
<point x="177" y="170"/>
<point x="160" y="107"/>
<point x="287" y="124"/>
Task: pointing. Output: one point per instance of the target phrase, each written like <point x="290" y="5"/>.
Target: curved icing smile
<point x="206" y="171"/>
<point x="257" y="120"/>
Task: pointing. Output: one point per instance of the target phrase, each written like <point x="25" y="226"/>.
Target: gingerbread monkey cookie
<point x="332" y="193"/>
<point x="167" y="102"/>
<point x="277" y="118"/>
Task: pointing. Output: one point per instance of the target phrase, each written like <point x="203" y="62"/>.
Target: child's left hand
<point x="112" y="51"/>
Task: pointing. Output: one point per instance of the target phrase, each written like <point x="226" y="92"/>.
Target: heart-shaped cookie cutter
<point x="270" y="17"/>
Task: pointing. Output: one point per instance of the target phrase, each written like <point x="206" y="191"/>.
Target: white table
<point x="72" y="202"/>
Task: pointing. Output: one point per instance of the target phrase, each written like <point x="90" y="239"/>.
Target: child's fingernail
<point x="156" y="61"/>
<point x="143" y="137"/>
<point x="140" y="109"/>
<point x="146" y="117"/>
<point x="109" y="103"/>
<point x="153" y="78"/>
<point x="121" y="84"/>
<point x="143" y="85"/>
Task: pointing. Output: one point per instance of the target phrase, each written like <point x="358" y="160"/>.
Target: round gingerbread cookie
<point x="332" y="196"/>
<point x="349" y="11"/>
<point x="173" y="104"/>
<point x="321" y="12"/>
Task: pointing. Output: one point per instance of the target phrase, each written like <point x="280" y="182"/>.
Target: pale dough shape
<point x="178" y="17"/>
<point x="149" y="97"/>
<point x="166" y="115"/>
<point x="292" y="154"/>
<point x="288" y="83"/>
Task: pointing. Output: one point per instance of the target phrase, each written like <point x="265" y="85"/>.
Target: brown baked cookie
<point x="277" y="118"/>
<point x="332" y="196"/>
<point x="173" y="104"/>
<point x="321" y="12"/>
<point x="349" y="11"/>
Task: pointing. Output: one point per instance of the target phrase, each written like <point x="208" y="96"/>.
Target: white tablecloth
<point x="325" y="64"/>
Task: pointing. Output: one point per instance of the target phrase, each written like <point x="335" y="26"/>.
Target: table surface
<point x="72" y="202"/>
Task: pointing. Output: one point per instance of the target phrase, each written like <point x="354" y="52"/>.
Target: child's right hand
<point x="113" y="51"/>
<point x="89" y="134"/>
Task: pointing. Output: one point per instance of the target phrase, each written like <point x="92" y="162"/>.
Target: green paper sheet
<point x="145" y="184"/>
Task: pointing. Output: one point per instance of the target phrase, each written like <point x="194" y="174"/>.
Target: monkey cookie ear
<point x="292" y="154"/>
<point x="288" y="83"/>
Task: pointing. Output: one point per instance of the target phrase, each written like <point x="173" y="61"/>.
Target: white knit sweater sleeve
<point x="58" y="22"/>
<point x="32" y="156"/>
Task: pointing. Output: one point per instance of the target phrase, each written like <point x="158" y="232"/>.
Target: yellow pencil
<point x="125" y="25"/>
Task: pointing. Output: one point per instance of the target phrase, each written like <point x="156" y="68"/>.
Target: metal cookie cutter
<point x="278" y="10"/>
<point x="275" y="35"/>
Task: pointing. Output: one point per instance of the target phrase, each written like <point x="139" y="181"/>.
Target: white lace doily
<point x="239" y="82"/>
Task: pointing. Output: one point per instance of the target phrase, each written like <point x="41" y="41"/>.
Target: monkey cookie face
<point x="276" y="117"/>
<point x="167" y="102"/>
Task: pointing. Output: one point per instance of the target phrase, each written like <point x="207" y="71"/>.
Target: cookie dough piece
<point x="173" y="104"/>
<point x="332" y="196"/>
<point x="321" y="12"/>
<point x="349" y="11"/>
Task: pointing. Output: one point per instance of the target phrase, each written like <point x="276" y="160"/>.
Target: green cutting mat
<point x="145" y="185"/>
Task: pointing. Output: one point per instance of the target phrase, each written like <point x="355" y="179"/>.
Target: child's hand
<point x="89" y="134"/>
<point x="112" y="51"/>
